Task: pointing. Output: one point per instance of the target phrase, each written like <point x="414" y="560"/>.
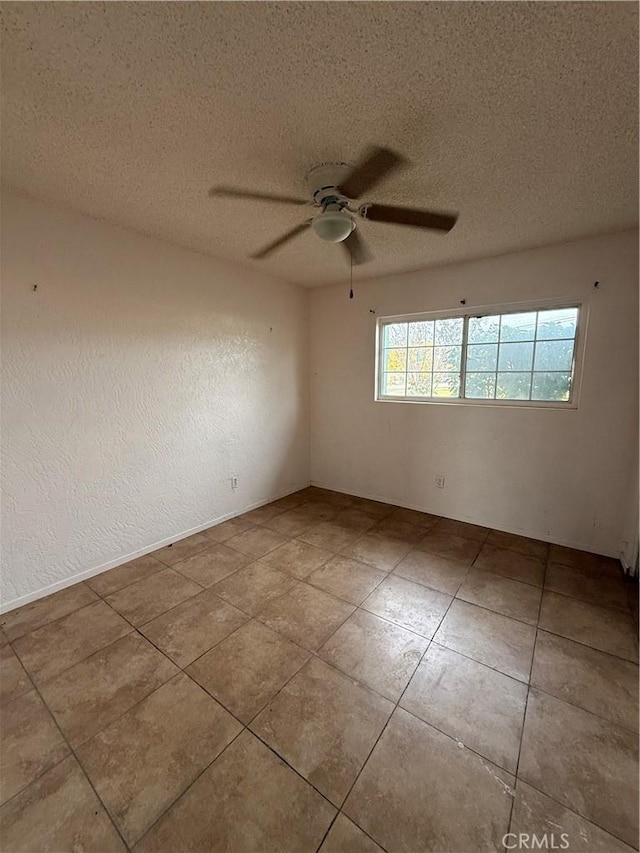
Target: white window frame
<point x="488" y="310"/>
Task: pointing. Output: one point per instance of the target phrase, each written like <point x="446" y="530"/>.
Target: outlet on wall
<point x="234" y="482"/>
<point x="440" y="481"/>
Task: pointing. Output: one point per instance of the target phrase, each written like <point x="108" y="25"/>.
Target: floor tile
<point x="94" y="693"/>
<point x="121" y="576"/>
<point x="607" y="630"/>
<point x="252" y="587"/>
<point x="381" y="655"/>
<point x="522" y="544"/>
<point x="345" y="837"/>
<point x="414" y="516"/>
<point x="319" y="511"/>
<point x="261" y="514"/>
<point x="182" y="549"/>
<point x="14" y="680"/>
<point x="293" y="522"/>
<point x="377" y="551"/>
<point x="490" y="638"/>
<point x="595" y="588"/>
<point x="192" y="628"/>
<point x="432" y="571"/>
<point x="144" y="600"/>
<point x="59" y="811"/>
<point x="288" y="502"/>
<point x="256" y="542"/>
<point x="53" y="648"/>
<point x="329" y="496"/>
<point x="210" y="566"/>
<point x="347" y="579"/>
<point x="248" y="800"/>
<point x="355" y="519"/>
<point x="472" y="703"/>
<point x="144" y="760"/>
<point x="503" y="595"/>
<point x="31" y="743"/>
<point x="324" y="725"/>
<point x="306" y="615"/>
<point x="409" y="605"/>
<point x="245" y="671"/>
<point x="376" y="508"/>
<point x="395" y="528"/>
<point x="444" y="782"/>
<point x="583" y="762"/>
<point x="574" y="557"/>
<point x="511" y="564"/>
<point x="600" y="683"/>
<point x="330" y="536"/>
<point x="462" y="528"/>
<point x="28" y="618"/>
<point x="536" y="814"/>
<point x="450" y="547"/>
<point x="296" y="558"/>
<point x="224" y="531"/>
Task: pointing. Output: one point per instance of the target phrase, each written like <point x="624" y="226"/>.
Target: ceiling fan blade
<point x="373" y="167"/>
<point x="356" y="248"/>
<point x="410" y="216"/>
<point x="271" y="247"/>
<point x="230" y="192"/>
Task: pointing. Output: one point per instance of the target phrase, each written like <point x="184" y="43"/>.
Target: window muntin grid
<point x="526" y="355"/>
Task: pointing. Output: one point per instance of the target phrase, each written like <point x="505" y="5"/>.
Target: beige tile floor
<point x="326" y="673"/>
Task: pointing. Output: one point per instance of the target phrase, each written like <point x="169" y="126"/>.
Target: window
<point x="524" y="356"/>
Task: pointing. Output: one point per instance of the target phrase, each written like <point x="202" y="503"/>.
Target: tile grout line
<point x="580" y="815"/>
<point x="526" y="704"/>
<point x="190" y="784"/>
<point x="80" y="765"/>
<point x="396" y="706"/>
<point x="313" y="653"/>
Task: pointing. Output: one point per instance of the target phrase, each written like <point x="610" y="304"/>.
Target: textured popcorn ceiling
<point x="520" y="116"/>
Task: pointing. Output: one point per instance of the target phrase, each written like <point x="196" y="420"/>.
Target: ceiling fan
<point x="333" y="186"/>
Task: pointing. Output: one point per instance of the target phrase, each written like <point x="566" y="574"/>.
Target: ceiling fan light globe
<point x="333" y="226"/>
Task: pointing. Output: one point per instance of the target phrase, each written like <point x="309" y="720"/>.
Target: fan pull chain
<point x="351" y="277"/>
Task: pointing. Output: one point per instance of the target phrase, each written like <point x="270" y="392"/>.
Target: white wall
<point x="136" y="379"/>
<point x="561" y="475"/>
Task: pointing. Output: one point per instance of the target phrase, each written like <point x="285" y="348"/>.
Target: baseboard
<point x="148" y="549"/>
<point x="568" y="543"/>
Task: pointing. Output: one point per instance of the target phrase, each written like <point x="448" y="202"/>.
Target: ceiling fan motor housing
<point x="323" y="182"/>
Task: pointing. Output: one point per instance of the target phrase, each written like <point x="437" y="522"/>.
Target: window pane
<point x="515" y="357"/>
<point x="418" y="384"/>
<point x="393" y="384"/>
<point x="560" y="323"/>
<point x="551" y="386"/>
<point x="395" y="335"/>
<point x="513" y="386"/>
<point x="421" y="333"/>
<point x="447" y="359"/>
<point x="480" y="385"/>
<point x="484" y="330"/>
<point x="394" y="359"/>
<point x="482" y="356"/>
<point x="518" y="327"/>
<point x="446" y="384"/>
<point x="449" y="331"/>
<point x="553" y="355"/>
<point x="420" y="358"/>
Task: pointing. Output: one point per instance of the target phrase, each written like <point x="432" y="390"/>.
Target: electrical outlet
<point x="234" y="482"/>
<point x="440" y="481"/>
